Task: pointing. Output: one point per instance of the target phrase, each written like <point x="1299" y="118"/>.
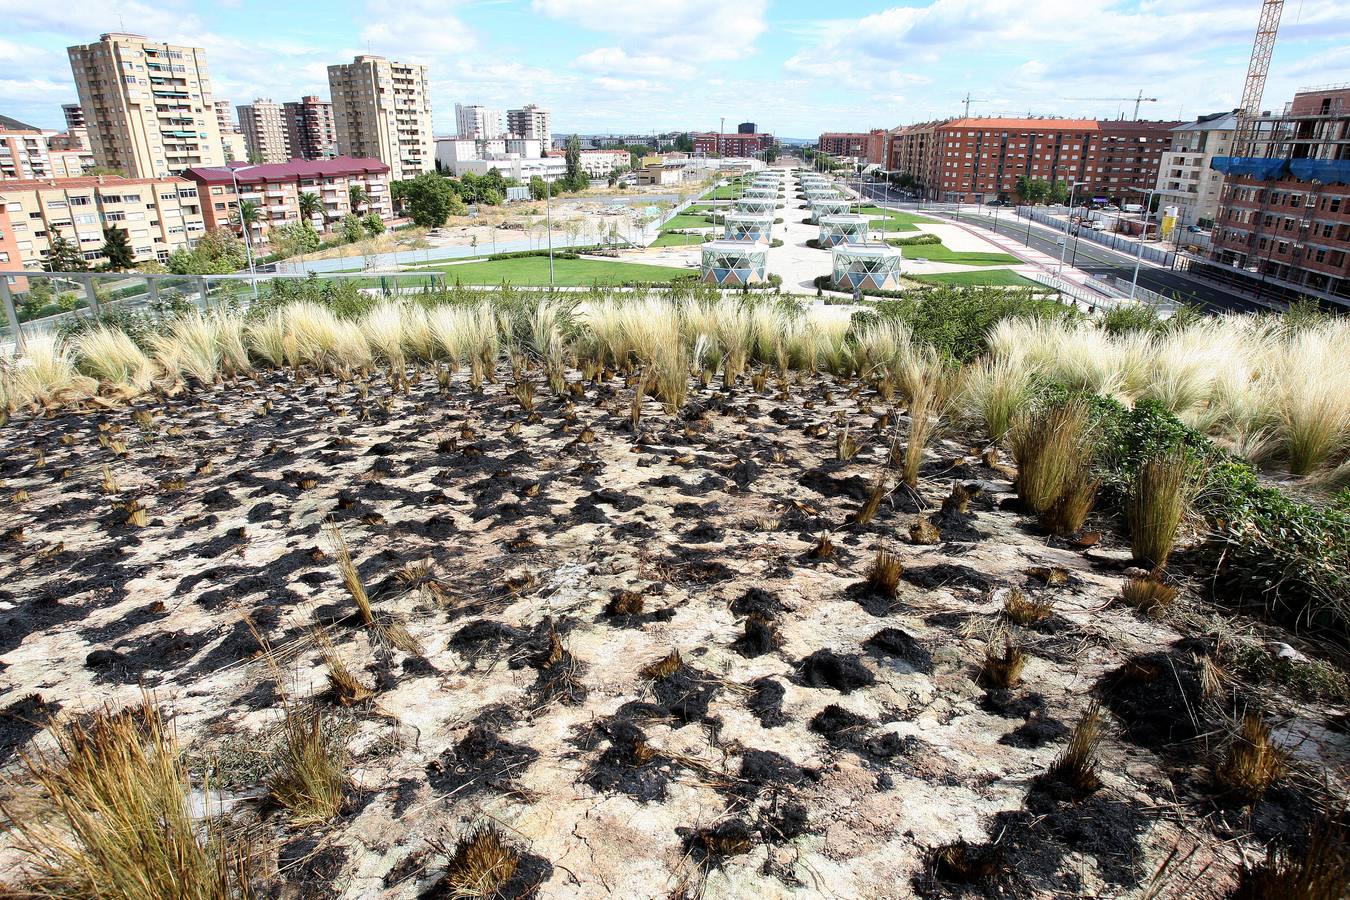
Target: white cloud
<point x="618" y="60"/>
<point x="690" y="29"/>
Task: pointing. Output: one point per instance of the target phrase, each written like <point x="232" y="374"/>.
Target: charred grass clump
<point x="1054" y="449"/>
<point x="116" y="818"/>
<point x="1252" y="763"/>
<point x="1321" y="871"/>
<point x="311" y="781"/>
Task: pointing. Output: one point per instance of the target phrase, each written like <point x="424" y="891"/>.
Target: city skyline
<point x="600" y="70"/>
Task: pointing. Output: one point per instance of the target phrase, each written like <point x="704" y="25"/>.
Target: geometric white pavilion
<point x="749" y="227"/>
<point x="867" y="266"/>
<point x="835" y="230"/>
<point x="734" y="263"/>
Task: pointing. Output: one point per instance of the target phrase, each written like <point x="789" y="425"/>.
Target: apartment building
<point x="532" y="123"/>
<point x="973" y="160"/>
<point x="23" y="151"/>
<point x="147" y="105"/>
<point x="160" y="215"/>
<point x="844" y="143"/>
<point x="74" y="114"/>
<point x="479" y="122"/>
<point x="1186" y="179"/>
<point x="276" y="189"/>
<point x="263" y="123"/>
<point x="1283" y="226"/>
<point x="224" y="116"/>
<point x="309" y="125"/>
<point x="709" y="144"/>
<point x="382" y="110"/>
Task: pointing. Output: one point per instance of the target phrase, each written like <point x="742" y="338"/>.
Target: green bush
<point x="916" y="240"/>
<point x="955" y="319"/>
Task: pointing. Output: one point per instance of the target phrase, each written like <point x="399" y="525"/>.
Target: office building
<point x="1186" y="179"/>
<point x="1283" y="225"/>
<point x="276" y="189"/>
<point x="479" y="122"/>
<point x="531" y="122"/>
<point x="265" y="135"/>
<point x="746" y="128"/>
<point x="147" y="105"/>
<point x="382" y="110"/>
<point x="160" y="215"/>
<point x="310" y="128"/>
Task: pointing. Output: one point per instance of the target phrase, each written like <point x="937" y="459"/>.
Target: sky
<point x="638" y="66"/>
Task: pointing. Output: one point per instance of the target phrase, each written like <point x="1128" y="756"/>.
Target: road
<point x="1088" y="257"/>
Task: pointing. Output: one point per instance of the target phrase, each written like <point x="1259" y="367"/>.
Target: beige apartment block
<point x="160" y="215"/>
<point x="147" y="105"/>
<point x="1185" y="178"/>
<point x="23" y="154"/>
<point x="531" y="122"/>
<point x="382" y="110"/>
<point x="263" y="123"/>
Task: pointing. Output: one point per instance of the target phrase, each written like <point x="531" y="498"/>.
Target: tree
<point x="398" y="193"/>
<point x="1059" y="192"/>
<point x="771" y="154"/>
<point x="358" y="197"/>
<point x="1033" y="190"/>
<point x="575" y="179"/>
<point x="492" y="197"/>
<point x="117" y="248"/>
<point x="428" y="200"/>
<point x="245" y="214"/>
<point x="311" y="206"/>
<point x="373" y="224"/>
<point x="218" y="252"/>
<point x="64" y="257"/>
<point x="294" y="238"/>
<point x="538" y="188"/>
<point x="352" y="230"/>
<point x="685" y="143"/>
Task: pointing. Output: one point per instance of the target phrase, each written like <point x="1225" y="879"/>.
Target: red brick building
<point x="843" y="143"/>
<point x="974" y="160"/>
<point x="709" y="144"/>
<point x="1283" y="227"/>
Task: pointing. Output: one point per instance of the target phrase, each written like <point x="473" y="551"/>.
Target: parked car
<point x="1195" y="229"/>
<point x="998" y="203"/>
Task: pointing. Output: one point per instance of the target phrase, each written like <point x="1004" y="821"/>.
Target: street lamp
<point x="548" y="219"/>
<point x="1073" y="186"/>
<point x="1143" y="233"/>
<point x="248" y="243"/>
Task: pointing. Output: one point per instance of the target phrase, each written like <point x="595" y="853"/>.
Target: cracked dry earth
<point x="630" y="656"/>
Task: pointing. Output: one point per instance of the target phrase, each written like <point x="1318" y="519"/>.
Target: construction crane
<point x="1263" y="46"/>
<point x="1137" y="101"/>
<point x="969" y="101"/>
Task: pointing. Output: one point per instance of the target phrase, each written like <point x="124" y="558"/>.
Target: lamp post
<point x="1139" y="255"/>
<point x="248" y="243"/>
<point x="1073" y="186"/>
<point x="548" y="220"/>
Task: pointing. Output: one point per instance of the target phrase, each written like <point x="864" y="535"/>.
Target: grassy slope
<point x="940" y="253"/>
<point x="534" y="270"/>
<point x="895" y="221"/>
<point x="676" y="240"/>
<point x="686" y="221"/>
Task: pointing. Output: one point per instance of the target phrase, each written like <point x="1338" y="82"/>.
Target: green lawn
<point x="532" y="270"/>
<point x="670" y="239"/>
<point x="895" y="221"/>
<point x="993" y="277"/>
<point x="940" y="253"/>
<point x="687" y="221"/>
<point x="726" y="192"/>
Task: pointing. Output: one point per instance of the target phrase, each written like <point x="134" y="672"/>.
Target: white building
<point x="600" y="163"/>
<point x="549" y="168"/>
<point x="474" y="121"/>
<point x="1185" y="178"/>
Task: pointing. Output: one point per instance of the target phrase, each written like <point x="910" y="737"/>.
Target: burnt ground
<point x="811" y="738"/>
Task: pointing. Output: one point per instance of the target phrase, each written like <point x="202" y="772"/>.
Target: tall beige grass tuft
<point x="112" y="357"/>
<point x="1312" y="402"/>
<point x="1158" y="504"/>
<point x="993" y="391"/>
<point x="45" y="374"/>
<point x="117" y="818"/>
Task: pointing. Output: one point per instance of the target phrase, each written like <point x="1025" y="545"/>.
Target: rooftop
<point x="287" y="171"/>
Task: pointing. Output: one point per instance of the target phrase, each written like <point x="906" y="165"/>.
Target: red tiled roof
<point x="84" y="181"/>
<point x="287" y="171"/>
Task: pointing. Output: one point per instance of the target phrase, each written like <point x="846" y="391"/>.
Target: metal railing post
<point x="7" y="298"/>
<point x="152" y="288"/>
<point x="202" y="289"/>
<point x="90" y="294"/>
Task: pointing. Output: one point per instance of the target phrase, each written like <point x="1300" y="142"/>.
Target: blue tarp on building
<point x="1327" y="171"/>
<point x="1259" y="167"/>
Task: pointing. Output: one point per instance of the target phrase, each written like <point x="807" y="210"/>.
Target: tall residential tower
<point x="147" y="105"/>
<point x="265" y="134"/>
<point x="309" y="124"/>
<point x="382" y="110"/>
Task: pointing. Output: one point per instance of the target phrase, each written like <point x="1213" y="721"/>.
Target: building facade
<point x="711" y="144"/>
<point x="479" y="122"/>
<point x="747" y="128"/>
<point x="23" y="153"/>
<point x="276" y="189"/>
<point x="838" y="143"/>
<point x="973" y="160"/>
<point x="224" y="116"/>
<point x="74" y="114"/>
<point x="599" y="163"/>
<point x="1186" y="179"/>
<point x="263" y="124"/>
<point x="147" y="105"/>
<point x="160" y="215"/>
<point x="531" y="122"/>
<point x="382" y="110"/>
<point x="310" y="129"/>
<point x="1283" y="226"/>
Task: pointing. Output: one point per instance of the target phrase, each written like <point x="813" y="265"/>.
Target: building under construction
<point x="1283" y="230"/>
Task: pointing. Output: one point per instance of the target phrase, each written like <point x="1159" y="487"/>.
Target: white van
<point x="1133" y="207"/>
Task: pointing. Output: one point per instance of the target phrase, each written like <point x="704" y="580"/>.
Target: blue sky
<point x="795" y="67"/>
